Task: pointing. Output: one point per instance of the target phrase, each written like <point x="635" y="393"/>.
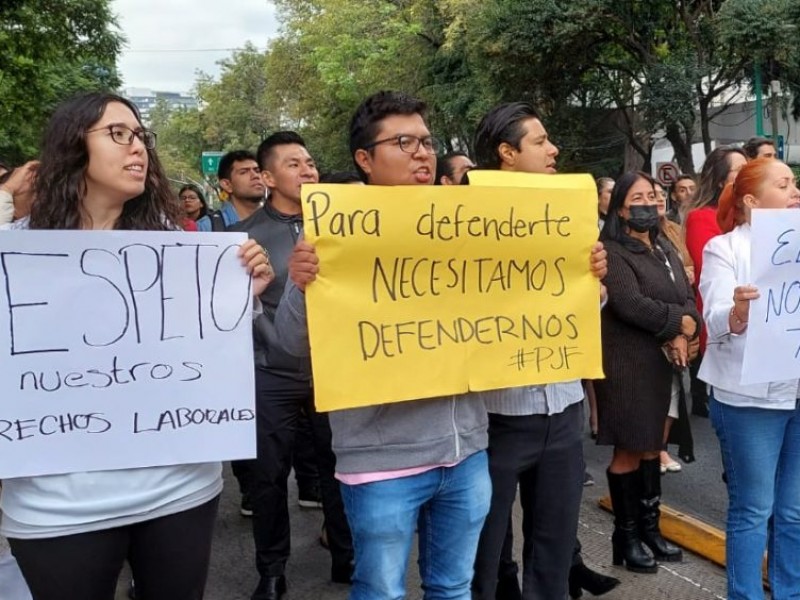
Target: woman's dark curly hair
<point x="60" y="179"/>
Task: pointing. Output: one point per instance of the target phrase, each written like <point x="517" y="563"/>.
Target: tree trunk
<point x="634" y="161"/>
<point x="682" y="148"/>
<point x="704" y="121"/>
<point x="773" y="116"/>
<point x="638" y="146"/>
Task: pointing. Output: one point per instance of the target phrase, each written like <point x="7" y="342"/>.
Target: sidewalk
<point x="233" y="575"/>
<point x="693" y="579"/>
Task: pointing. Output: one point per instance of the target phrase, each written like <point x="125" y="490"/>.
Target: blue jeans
<point x="761" y="456"/>
<point x="448" y="504"/>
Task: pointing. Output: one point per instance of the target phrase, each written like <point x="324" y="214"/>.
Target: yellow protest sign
<point x="426" y="291"/>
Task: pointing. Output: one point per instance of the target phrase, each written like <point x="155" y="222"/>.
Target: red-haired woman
<point x="758" y="425"/>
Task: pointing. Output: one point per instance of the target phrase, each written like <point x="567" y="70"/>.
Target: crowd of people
<point x="699" y="248"/>
<point x="675" y="294"/>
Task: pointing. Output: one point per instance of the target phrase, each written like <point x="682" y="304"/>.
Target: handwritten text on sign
<point x="425" y="291"/>
<point x="772" y="349"/>
<point x="123" y="349"/>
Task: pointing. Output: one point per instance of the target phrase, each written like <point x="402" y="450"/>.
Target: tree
<point x="660" y="65"/>
<point x="180" y="140"/>
<point x="334" y="53"/>
<point x="234" y="114"/>
<point x="610" y="76"/>
<point x="50" y="50"/>
<point x="763" y="34"/>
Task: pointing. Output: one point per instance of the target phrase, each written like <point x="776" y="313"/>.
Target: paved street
<point x="698" y="490"/>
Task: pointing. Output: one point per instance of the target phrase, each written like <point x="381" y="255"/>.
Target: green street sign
<point x="209" y="162"/>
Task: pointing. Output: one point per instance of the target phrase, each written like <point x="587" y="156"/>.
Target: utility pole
<point x="774" y="93"/>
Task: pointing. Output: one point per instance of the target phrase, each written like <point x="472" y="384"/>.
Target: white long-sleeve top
<point x="6" y="207"/>
<point x="726" y="265"/>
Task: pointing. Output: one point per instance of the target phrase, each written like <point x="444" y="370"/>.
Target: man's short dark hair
<point x="340" y="177"/>
<point x="752" y="145"/>
<point x="501" y="124"/>
<point x="444" y="166"/>
<point x="226" y="162"/>
<point x="279" y="138"/>
<point x="681" y="177"/>
<point x="366" y="120"/>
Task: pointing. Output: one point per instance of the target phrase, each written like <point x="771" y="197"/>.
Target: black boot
<point x="508" y="587"/>
<point x="582" y="578"/>
<point x="650" y="513"/>
<point x="627" y="546"/>
<point x="270" y="588"/>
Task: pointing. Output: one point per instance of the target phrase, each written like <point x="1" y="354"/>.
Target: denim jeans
<point x="761" y="456"/>
<point x="449" y="504"/>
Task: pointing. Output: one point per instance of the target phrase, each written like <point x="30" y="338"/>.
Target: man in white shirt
<point x="534" y="431"/>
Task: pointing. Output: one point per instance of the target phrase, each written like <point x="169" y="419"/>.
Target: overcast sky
<point x="168" y="40"/>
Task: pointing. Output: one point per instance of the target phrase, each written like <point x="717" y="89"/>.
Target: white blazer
<point x="726" y="264"/>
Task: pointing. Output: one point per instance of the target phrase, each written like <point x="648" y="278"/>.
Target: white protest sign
<point x="772" y="349"/>
<point x="123" y="349"/>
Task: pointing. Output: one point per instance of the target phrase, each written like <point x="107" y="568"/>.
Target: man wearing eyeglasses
<point x="434" y="473"/>
<point x="240" y="177"/>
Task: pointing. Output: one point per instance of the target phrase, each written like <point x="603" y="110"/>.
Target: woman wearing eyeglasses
<point x="71" y="533"/>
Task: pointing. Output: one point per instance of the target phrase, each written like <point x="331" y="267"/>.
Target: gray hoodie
<point x="401" y="435"/>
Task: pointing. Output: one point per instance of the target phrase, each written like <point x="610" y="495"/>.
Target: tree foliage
<point x="50" y="50"/>
<point x="610" y="76"/>
<point x="335" y="52"/>
<point x="764" y="34"/>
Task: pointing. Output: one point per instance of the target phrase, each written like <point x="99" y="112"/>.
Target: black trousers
<point x="243" y="471"/>
<point x="508" y="566"/>
<point x="544" y="455"/>
<point x="304" y="460"/>
<point x="278" y="404"/>
<point x="168" y="556"/>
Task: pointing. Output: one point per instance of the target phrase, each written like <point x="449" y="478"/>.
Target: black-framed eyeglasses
<point x="123" y="135"/>
<point x="410" y="143"/>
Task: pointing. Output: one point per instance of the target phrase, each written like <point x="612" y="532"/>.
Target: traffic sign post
<point x="667" y="173"/>
<point x="780" y="145"/>
<point x="209" y="162"/>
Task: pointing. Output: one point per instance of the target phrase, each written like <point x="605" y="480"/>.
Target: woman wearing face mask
<point x="647" y="324"/>
<point x="758" y="425"/>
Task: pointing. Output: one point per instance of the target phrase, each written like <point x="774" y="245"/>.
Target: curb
<point x="690" y="533"/>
